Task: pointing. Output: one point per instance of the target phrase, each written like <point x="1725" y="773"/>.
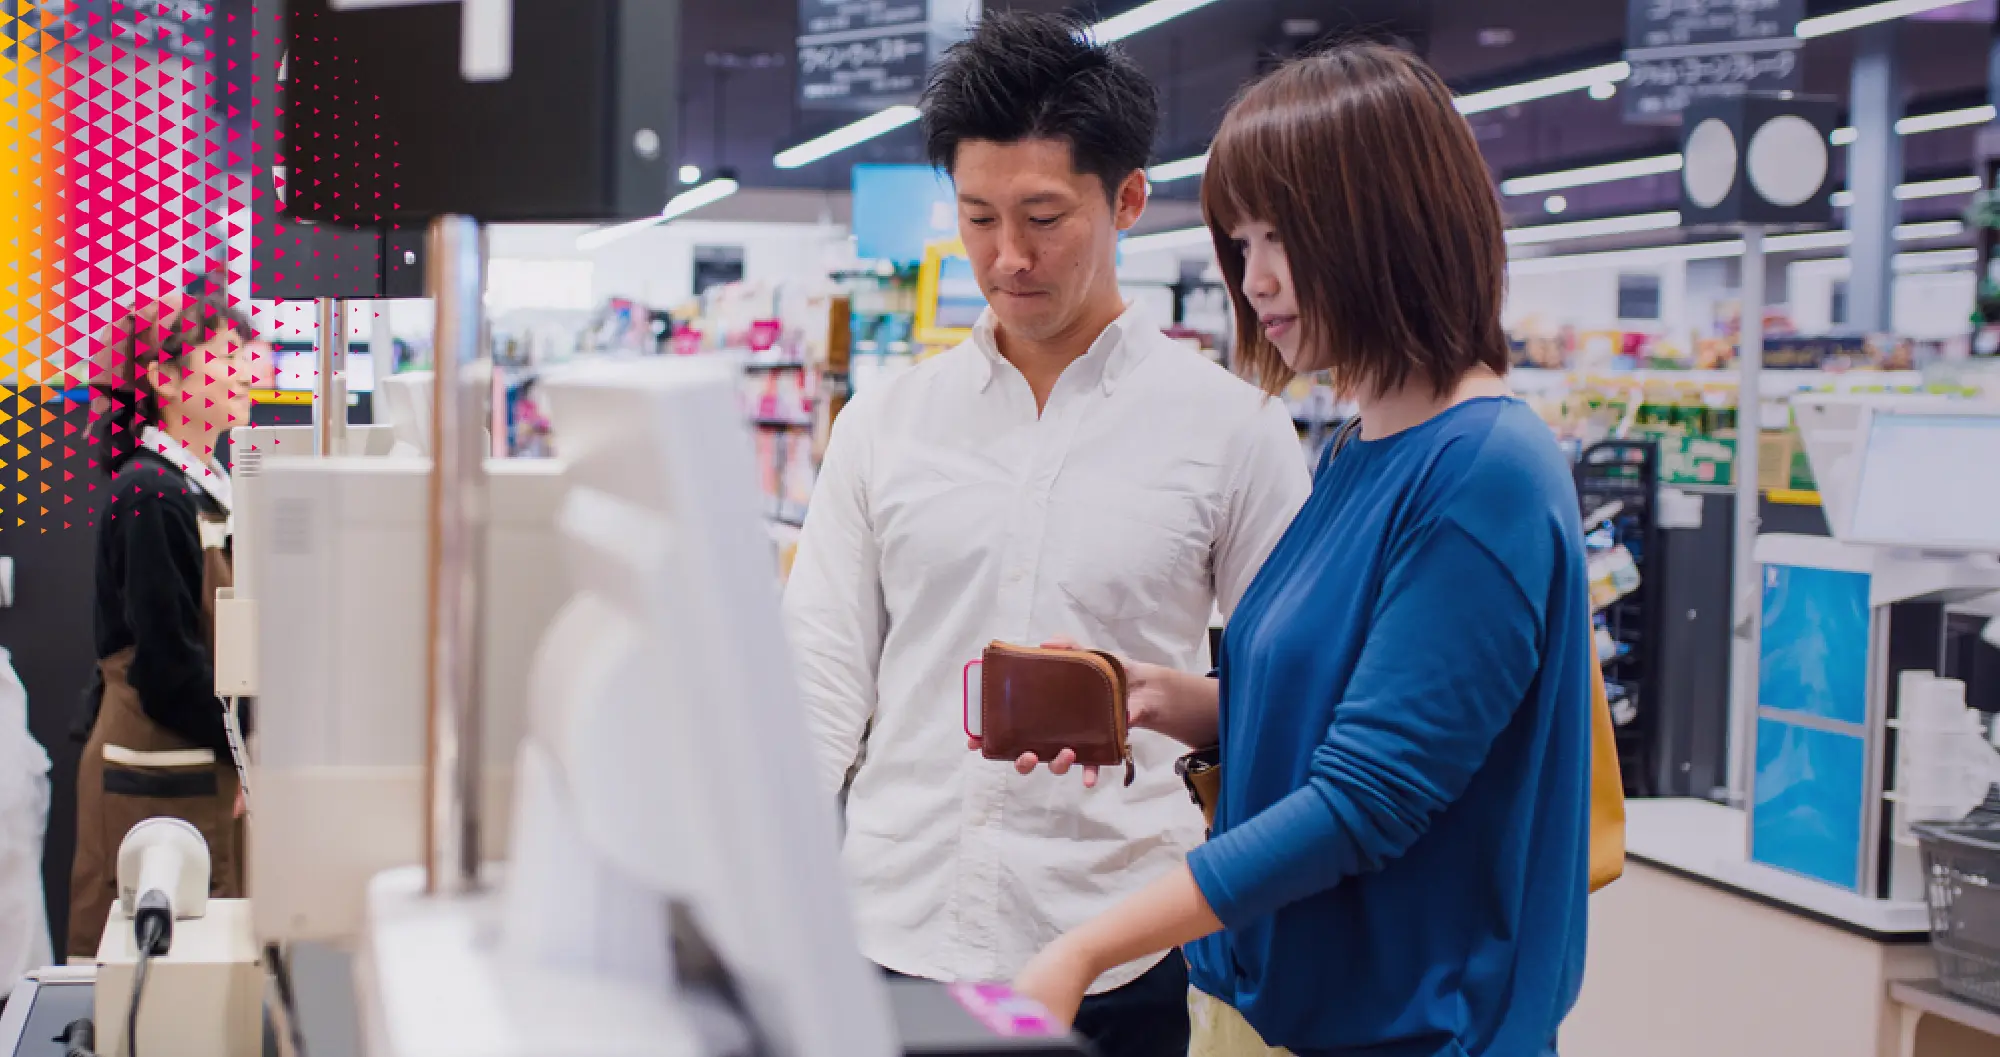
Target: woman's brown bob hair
<point x="1356" y="156"/>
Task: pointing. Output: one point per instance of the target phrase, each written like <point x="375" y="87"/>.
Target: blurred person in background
<point x="1398" y="861"/>
<point x="1069" y="473"/>
<point x="171" y="378"/>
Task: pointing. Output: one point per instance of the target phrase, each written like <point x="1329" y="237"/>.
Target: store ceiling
<point x="737" y="90"/>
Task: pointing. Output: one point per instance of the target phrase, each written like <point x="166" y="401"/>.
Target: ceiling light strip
<point x="1971" y="115"/>
<point x="1177" y="239"/>
<point x="875" y="124"/>
<point x="1867" y="15"/>
<point x="680" y="205"/>
<point x="1591" y="174"/>
<point x="1168" y="172"/>
<point x="1583" y="229"/>
<point x="1142" y="18"/>
<point x="1542" y="88"/>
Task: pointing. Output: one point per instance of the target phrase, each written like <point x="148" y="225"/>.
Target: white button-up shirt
<point x="948" y="515"/>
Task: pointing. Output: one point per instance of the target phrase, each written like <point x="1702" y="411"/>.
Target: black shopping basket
<point x="1962" y="871"/>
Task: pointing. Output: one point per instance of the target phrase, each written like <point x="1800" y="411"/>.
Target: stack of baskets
<point x="1962" y="867"/>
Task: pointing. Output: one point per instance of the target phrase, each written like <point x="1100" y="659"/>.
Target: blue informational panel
<point x="1809" y="803"/>
<point x="1815" y="643"/>
<point x="1811" y="794"/>
<point x="900" y="208"/>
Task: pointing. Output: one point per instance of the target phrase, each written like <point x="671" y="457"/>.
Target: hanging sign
<point x="1687" y="50"/>
<point x="868" y="54"/>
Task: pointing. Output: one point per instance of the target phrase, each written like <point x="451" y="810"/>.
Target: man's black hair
<point x="1030" y="76"/>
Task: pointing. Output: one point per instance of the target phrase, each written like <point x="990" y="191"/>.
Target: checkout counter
<point x="654" y="878"/>
<point x="1798" y="925"/>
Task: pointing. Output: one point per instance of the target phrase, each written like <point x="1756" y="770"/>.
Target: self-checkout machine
<point x="1911" y="490"/>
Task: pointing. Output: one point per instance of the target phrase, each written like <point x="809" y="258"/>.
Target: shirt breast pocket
<point x="1128" y="552"/>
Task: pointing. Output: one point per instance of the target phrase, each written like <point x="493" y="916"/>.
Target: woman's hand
<point x="1175" y="703"/>
<point x="1058" y="978"/>
<point x="1168" y="913"/>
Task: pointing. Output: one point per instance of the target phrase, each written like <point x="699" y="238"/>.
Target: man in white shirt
<point x="1069" y="473"/>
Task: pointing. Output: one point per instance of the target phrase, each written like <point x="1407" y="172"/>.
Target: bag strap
<point x="1341" y="436"/>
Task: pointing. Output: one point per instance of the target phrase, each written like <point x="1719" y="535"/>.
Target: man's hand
<point x="1158" y="698"/>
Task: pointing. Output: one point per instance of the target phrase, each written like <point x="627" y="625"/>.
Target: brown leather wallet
<point x="1044" y="700"/>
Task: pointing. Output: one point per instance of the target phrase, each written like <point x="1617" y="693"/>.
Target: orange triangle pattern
<point x="113" y="189"/>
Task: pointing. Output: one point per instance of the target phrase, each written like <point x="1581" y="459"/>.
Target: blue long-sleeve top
<point x="1400" y="847"/>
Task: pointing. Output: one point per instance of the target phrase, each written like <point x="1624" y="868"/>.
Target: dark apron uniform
<point x="133" y="769"/>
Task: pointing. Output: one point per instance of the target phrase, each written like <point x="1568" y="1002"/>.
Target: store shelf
<point x="1774" y="381"/>
<point x="793" y="365"/>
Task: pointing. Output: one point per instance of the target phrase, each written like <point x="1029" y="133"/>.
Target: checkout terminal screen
<point x="298" y="370"/>
<point x="960" y="302"/>
<point x="1930" y="480"/>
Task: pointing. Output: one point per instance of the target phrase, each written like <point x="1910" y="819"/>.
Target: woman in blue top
<point x="1398" y="862"/>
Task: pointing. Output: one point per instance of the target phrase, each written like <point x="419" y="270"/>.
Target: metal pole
<point x="1874" y="168"/>
<point x="330" y="387"/>
<point x="456" y="279"/>
<point x="1746" y="588"/>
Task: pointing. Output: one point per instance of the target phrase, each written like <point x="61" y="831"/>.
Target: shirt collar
<point x="203" y="474"/>
<point x="1112" y="356"/>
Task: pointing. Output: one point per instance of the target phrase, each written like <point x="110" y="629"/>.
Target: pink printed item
<point x="1004" y="1013"/>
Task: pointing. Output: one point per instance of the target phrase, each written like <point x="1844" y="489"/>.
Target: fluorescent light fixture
<point x="1649" y="255"/>
<point x="690" y="175"/>
<point x="846" y="136"/>
<point x="1931" y="260"/>
<point x="1161" y="241"/>
<point x="686" y="202"/>
<point x="1142" y="18"/>
<point x="1583" y="229"/>
<point x="1957" y="185"/>
<point x="1168" y="172"/>
<point x="1795" y="243"/>
<point x="1810" y="240"/>
<point x="1935" y="229"/>
<point x="1871" y="14"/>
<point x="1914" y="261"/>
<point x="1972" y="115"/>
<point x="1591" y="174"/>
<point x="1910" y="126"/>
<point x="1603" y="90"/>
<point x="1555" y="204"/>
<point x="1578" y="80"/>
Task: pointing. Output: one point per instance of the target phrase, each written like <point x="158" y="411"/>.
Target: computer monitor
<point x="667" y="752"/>
<point x="1929" y="479"/>
<point x="298" y="370"/>
<point x="949" y="301"/>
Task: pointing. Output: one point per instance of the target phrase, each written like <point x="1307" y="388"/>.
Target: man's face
<point x="1041" y="236"/>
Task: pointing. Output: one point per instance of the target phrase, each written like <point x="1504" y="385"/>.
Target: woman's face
<point x="1267" y="285"/>
<point x="211" y="383"/>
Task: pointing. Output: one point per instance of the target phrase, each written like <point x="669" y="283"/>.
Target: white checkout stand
<point x="1697" y="950"/>
<point x="1798" y="926"/>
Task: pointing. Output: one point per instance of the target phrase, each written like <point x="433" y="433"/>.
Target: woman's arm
<point x="1451" y="649"/>
<point x="1166" y="914"/>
